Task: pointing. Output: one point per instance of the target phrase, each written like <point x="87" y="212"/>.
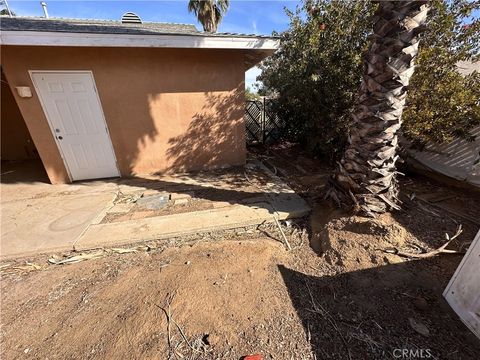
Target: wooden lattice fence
<point x="262" y="125"/>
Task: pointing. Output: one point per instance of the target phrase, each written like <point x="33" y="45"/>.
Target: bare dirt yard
<point x="336" y="295"/>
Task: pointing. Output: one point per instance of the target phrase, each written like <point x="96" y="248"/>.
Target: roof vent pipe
<point x="44" y="7"/>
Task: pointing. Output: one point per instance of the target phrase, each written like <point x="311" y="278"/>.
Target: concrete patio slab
<point x="48" y="224"/>
<point x="164" y="227"/>
<point x="41" y="218"/>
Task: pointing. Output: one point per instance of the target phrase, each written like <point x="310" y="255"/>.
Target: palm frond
<point x="209" y="12"/>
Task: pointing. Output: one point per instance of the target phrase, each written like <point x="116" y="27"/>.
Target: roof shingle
<point x="104" y="27"/>
<point x="92" y="26"/>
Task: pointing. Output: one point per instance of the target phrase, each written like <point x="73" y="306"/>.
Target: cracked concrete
<point x="40" y="218"/>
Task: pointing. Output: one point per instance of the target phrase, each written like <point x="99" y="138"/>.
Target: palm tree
<point x="209" y="12"/>
<point x="366" y="175"/>
<point x="6" y="10"/>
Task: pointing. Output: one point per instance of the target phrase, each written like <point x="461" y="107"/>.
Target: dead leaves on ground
<point x="71" y="258"/>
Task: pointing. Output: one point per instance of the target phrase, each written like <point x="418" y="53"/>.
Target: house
<point x="98" y="99"/>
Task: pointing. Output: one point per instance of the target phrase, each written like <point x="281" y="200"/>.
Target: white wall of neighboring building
<point x="459" y="159"/>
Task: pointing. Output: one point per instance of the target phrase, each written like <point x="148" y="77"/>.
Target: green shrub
<point x="442" y="103"/>
<point x="250" y="95"/>
<point x="317" y="71"/>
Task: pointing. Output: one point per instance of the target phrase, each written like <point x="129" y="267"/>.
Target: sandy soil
<point x="240" y="292"/>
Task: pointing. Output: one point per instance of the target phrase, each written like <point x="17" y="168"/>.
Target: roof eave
<point x="37" y="38"/>
<point x="253" y="57"/>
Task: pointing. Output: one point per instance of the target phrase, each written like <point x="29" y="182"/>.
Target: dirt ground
<point x="336" y="295"/>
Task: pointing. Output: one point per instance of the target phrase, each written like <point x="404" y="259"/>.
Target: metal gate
<point x="262" y="125"/>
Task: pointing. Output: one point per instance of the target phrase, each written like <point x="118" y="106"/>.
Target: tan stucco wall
<point x="166" y="109"/>
<point x="15" y="139"/>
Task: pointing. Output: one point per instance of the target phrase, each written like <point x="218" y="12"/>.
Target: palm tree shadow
<point x="214" y="138"/>
<point x="365" y="314"/>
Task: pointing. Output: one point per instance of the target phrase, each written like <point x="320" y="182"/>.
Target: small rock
<point x="154" y="202"/>
<point x="187" y="262"/>
<point x="181" y="201"/>
<point x="419" y="327"/>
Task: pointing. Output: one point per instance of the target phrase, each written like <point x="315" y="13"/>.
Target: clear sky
<point x="243" y="16"/>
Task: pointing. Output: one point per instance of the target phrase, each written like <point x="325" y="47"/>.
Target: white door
<point x="75" y="116"/>
<point x="463" y="291"/>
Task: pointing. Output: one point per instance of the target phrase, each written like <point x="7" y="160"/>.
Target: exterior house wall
<point x="15" y="139"/>
<point x="167" y="110"/>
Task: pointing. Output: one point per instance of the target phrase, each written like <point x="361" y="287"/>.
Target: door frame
<point x="50" y="125"/>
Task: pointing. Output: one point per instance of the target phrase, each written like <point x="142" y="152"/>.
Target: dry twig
<point x="170" y="321"/>
<point x="441" y="250"/>
<point x="275" y="215"/>
<point x="317" y="308"/>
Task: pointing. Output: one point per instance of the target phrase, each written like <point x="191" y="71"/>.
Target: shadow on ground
<point x="366" y="314"/>
<point x="26" y="171"/>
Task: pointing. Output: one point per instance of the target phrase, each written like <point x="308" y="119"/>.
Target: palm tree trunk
<point x="213" y="22"/>
<point x="209" y="21"/>
<point x="366" y="175"/>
